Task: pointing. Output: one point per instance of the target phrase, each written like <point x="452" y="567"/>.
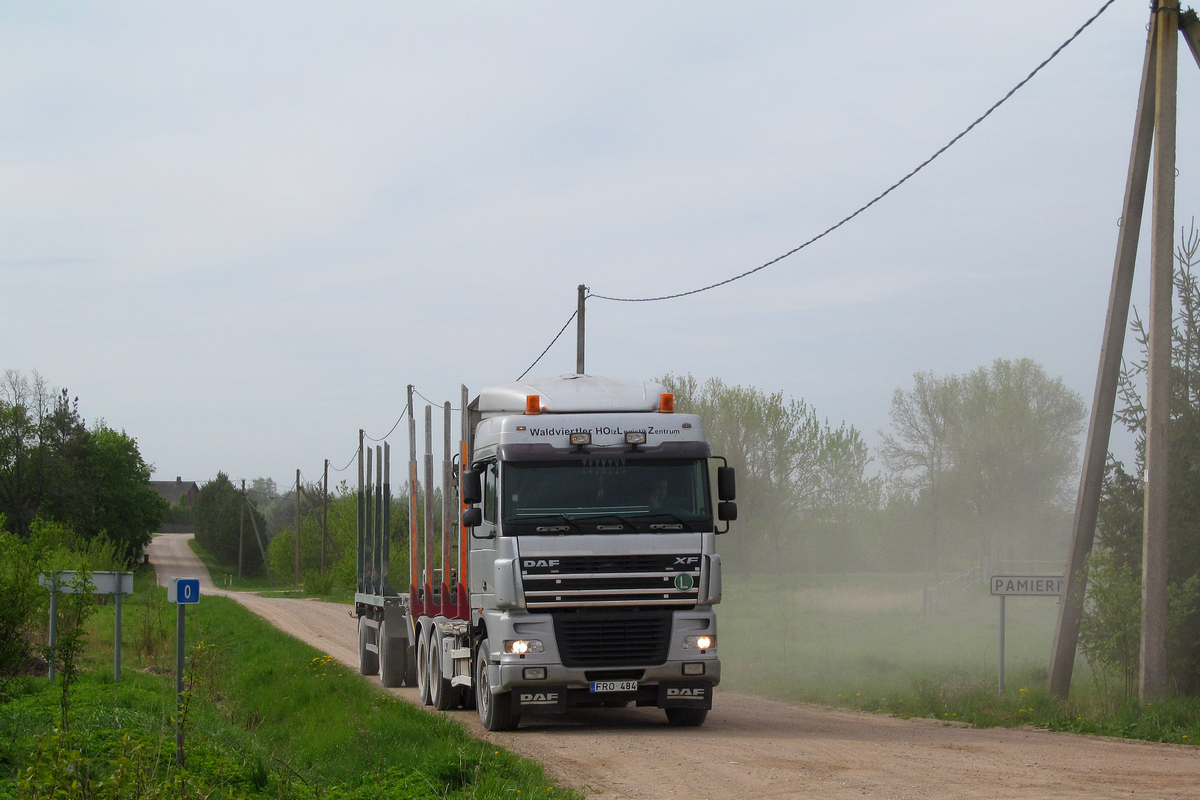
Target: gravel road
<point x="756" y="748"/>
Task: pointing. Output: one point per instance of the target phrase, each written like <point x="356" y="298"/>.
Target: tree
<point x="919" y="453"/>
<point x="793" y="469"/>
<point x="124" y="507"/>
<point x="1119" y="525"/>
<point x="997" y="446"/>
<point x="218" y="518"/>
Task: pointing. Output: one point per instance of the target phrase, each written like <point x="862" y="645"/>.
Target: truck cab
<point x="593" y="569"/>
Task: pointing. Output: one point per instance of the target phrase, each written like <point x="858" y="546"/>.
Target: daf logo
<point x="687" y="560"/>
<point x="685" y="692"/>
<point x="539" y="697"/>
<point x="540" y="562"/>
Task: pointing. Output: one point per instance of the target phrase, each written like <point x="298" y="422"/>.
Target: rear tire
<point x="686" y="717"/>
<point x="423" y="667"/>
<point x="442" y="695"/>
<point x="410" y="664"/>
<point x="392" y="657"/>
<point x="368" y="662"/>
<point x="495" y="710"/>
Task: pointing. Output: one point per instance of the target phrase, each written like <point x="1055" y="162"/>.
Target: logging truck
<point x="573" y="564"/>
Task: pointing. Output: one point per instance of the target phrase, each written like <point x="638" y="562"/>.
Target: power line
<point x="386" y="435"/>
<point x="432" y="403"/>
<point x="560" y="333"/>
<point x="875" y="199"/>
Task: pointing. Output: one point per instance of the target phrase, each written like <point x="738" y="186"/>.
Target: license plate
<point x="614" y="686"/>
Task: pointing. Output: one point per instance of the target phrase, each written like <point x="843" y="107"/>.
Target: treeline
<point x="976" y="467"/>
<point x="53" y="467"/>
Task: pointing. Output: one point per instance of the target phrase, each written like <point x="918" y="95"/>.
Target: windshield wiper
<point x="533" y="520"/>
<point x="625" y="523"/>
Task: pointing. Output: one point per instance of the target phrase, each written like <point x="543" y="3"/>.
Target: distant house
<point x="172" y="491"/>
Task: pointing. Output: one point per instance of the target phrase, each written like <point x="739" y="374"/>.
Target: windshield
<point x="606" y="495"/>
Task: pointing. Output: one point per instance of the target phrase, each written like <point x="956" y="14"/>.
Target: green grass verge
<point x="864" y="642"/>
<point x="269" y="717"/>
<point x="226" y="577"/>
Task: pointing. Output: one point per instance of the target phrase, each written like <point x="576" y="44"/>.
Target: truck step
<point x="460" y="680"/>
<point x="460" y="652"/>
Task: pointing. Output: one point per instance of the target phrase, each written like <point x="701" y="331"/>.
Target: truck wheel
<point x="443" y="696"/>
<point x="495" y="710"/>
<point x="686" y="717"/>
<point x="423" y="667"/>
<point x="391" y="657"/>
<point x="368" y="662"/>
<point x="410" y="664"/>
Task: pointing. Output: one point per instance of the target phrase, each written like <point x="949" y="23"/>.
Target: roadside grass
<point x="227" y="578"/>
<point x="862" y="642"/>
<point x="269" y="717"/>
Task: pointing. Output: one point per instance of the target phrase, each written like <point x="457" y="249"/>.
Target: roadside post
<point x="182" y="592"/>
<point x="103" y="582"/>
<point x="1005" y="586"/>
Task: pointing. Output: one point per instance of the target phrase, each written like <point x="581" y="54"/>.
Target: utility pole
<point x="324" y="513"/>
<point x="297" y="572"/>
<point x="579" y="309"/>
<point x="1155" y="125"/>
<point x="1152" y="684"/>
<point x="241" y="527"/>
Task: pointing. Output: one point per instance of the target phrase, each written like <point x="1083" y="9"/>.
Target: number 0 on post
<point x="183" y="590"/>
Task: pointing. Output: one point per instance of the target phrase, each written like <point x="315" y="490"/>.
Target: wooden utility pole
<point x="241" y="527"/>
<point x="579" y="309"/>
<point x="324" y="513"/>
<point x="1155" y="125"/>
<point x="297" y="573"/>
<point x="1087" y="506"/>
<point x="1153" y="680"/>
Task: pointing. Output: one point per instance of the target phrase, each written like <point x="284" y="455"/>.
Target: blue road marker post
<point x="182" y="592"/>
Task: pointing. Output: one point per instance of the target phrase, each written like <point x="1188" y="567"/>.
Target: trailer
<point x="575" y="562"/>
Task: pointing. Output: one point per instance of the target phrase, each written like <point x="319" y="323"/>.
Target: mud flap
<point x="685" y="694"/>
<point x="539" y="699"/>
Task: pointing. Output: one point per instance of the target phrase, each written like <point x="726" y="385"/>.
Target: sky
<point x="237" y="231"/>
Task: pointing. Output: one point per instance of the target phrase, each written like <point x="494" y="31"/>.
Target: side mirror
<point x="472" y="488"/>
<point x="472" y="517"/>
<point x="727" y="512"/>
<point x="726" y="485"/>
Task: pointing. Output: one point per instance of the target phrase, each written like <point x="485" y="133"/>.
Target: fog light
<point x="580" y="439"/>
<point x="635" y="437"/>
<point x="539" y="673"/>
<point x="699" y="642"/>
<point x="522" y="646"/>
<point x="694" y="668"/>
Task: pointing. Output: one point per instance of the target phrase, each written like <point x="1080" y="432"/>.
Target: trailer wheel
<point x="391" y="657"/>
<point x="368" y="662"/>
<point x="495" y="710"/>
<point x="423" y="666"/>
<point x="686" y="717"/>
<point x="443" y="696"/>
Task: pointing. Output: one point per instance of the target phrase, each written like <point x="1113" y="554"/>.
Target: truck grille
<point x="611" y="581"/>
<point x="607" y="639"/>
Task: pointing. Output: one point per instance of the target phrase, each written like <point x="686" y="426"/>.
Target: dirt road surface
<point x="756" y="748"/>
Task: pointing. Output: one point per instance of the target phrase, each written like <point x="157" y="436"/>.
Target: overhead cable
<point x="552" y="341"/>
<point x="877" y="197"/>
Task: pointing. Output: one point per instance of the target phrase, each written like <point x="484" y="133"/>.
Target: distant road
<point x="754" y="748"/>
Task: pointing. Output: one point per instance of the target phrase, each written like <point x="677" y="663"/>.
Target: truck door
<point x="483" y="538"/>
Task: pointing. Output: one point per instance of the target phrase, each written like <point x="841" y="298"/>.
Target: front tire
<point x="391" y="658"/>
<point x="495" y="710"/>
<point x="686" y="717"/>
<point x="368" y="662"/>
<point x="443" y="696"/>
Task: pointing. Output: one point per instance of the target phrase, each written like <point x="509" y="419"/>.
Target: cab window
<point x="491" y="479"/>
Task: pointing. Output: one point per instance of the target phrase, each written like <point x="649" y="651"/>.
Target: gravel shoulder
<point x="756" y="748"/>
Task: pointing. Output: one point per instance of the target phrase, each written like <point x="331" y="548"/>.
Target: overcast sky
<point x="238" y="230"/>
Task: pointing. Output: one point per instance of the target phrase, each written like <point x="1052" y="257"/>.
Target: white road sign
<point x="1028" y="585"/>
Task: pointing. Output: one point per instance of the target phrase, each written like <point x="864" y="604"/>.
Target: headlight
<point x="522" y="646"/>
<point x="700" y="642"/>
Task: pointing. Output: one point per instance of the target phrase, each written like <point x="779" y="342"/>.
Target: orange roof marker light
<point x="666" y="403"/>
<point x="533" y="404"/>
